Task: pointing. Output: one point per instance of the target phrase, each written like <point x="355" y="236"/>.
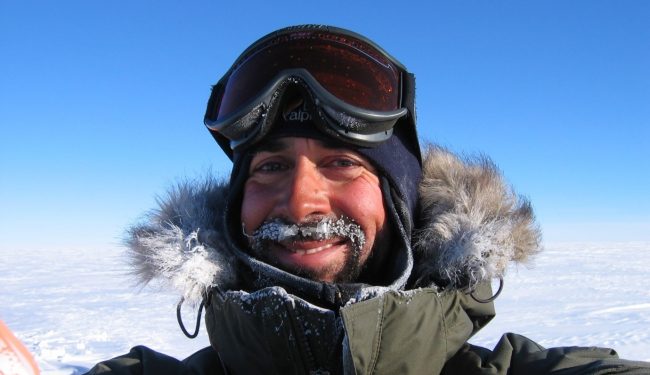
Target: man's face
<point x="301" y="180"/>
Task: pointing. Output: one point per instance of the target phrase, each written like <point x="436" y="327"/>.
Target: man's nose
<point x="308" y="194"/>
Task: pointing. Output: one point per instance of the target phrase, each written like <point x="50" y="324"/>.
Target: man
<point x="336" y="247"/>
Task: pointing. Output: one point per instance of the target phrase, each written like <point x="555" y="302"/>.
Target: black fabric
<point x="140" y="360"/>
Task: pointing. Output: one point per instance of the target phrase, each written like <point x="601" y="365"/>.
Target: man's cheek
<point x="252" y="212"/>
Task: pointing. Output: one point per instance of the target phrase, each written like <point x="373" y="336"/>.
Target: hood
<point x="472" y="224"/>
<point x="469" y="227"/>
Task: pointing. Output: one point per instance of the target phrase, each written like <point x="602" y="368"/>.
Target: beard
<point x="276" y="232"/>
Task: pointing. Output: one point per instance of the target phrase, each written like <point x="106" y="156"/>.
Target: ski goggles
<point x="358" y="91"/>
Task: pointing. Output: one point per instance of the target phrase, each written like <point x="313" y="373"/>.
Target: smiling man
<point x="335" y="247"/>
<point x="316" y="210"/>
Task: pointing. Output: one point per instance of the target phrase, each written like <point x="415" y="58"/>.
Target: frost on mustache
<point x="277" y="230"/>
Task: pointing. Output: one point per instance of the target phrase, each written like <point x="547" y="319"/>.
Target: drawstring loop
<point x="180" y="319"/>
<point x="490" y="299"/>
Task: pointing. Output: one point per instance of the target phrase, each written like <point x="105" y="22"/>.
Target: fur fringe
<point x="474" y="224"/>
<point x="471" y="226"/>
<point x="181" y="241"/>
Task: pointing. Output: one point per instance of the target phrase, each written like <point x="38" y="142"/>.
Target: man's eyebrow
<point x="273" y="145"/>
<point x="333" y="144"/>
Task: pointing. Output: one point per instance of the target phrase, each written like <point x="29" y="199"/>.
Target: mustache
<point x="281" y="230"/>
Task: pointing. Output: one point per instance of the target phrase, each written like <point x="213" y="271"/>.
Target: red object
<point x="15" y="359"/>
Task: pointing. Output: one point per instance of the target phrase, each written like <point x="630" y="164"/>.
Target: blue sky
<point x="101" y="103"/>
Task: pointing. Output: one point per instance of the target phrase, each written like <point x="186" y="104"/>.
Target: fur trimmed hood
<point x="470" y="226"/>
<point x="473" y="224"/>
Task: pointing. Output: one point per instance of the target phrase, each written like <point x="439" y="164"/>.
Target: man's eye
<point x="343" y="163"/>
<point x="270" y="166"/>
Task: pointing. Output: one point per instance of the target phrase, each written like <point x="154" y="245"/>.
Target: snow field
<point x="579" y="295"/>
<point x="73" y="308"/>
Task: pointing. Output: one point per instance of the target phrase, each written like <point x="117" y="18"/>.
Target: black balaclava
<point x="398" y="165"/>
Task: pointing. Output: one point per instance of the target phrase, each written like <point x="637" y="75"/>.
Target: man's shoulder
<point x="204" y="361"/>
<point x="142" y="360"/>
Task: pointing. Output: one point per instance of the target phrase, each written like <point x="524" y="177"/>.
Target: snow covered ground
<point x="74" y="308"/>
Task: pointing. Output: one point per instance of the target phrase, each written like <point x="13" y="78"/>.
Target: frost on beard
<point x="277" y="230"/>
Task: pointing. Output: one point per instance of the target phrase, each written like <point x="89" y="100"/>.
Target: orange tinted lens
<point x="348" y="68"/>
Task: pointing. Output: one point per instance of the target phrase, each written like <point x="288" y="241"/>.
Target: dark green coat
<point x="419" y="332"/>
<point x="417" y="320"/>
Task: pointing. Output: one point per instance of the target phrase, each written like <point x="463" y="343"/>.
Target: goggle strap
<point x="408" y="84"/>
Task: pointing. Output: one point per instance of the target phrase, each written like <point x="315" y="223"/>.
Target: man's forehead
<point x="285" y="143"/>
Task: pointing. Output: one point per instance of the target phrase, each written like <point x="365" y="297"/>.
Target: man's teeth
<point x="310" y="251"/>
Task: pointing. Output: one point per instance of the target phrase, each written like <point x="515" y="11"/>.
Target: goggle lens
<point x="348" y="68"/>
